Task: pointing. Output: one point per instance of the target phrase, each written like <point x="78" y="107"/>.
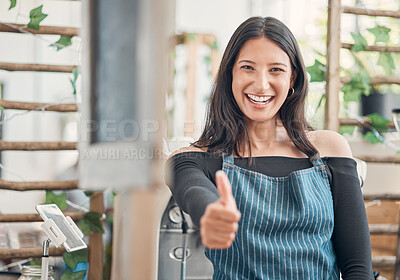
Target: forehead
<point x="263" y="50"/>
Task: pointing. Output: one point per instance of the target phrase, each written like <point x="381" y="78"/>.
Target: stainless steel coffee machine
<point x="171" y="247"/>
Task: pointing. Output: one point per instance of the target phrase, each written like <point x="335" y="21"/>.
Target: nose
<point x="261" y="82"/>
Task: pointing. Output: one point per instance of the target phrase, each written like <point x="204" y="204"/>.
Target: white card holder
<point x="53" y="232"/>
<point x="74" y="227"/>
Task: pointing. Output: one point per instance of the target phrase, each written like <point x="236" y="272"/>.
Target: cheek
<point x="238" y="83"/>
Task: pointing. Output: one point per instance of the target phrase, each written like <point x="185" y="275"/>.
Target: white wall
<point x="36" y="87"/>
<point x="220" y="18"/>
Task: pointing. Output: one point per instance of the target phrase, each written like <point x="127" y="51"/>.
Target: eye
<point x="247" y="67"/>
<point x="275" y="69"/>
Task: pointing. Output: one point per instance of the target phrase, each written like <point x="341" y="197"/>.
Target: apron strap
<point x="227" y="158"/>
<point x="318" y="162"/>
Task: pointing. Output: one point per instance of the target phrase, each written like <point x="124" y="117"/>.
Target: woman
<point x="287" y="203"/>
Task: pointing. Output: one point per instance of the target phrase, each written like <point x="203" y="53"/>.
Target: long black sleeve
<point x="351" y="239"/>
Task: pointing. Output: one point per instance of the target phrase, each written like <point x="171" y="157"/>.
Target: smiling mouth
<point x="259" y="99"/>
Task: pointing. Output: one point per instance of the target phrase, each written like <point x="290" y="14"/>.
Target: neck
<point x="265" y="136"/>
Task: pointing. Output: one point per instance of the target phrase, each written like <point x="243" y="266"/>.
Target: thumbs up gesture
<point x="219" y="223"/>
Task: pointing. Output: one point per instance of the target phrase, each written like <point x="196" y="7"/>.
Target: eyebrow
<point x="252" y="62"/>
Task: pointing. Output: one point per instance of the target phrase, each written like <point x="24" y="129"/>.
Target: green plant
<point x="365" y="63"/>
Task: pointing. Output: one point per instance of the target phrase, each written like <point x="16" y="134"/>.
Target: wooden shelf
<point x="375" y="80"/>
<point x="32" y="217"/>
<point x="368" y="12"/>
<point x="383" y="261"/>
<point x="44" y="30"/>
<point x="374" y="48"/>
<point x="37" y="146"/>
<point x="28" y="253"/>
<point x="348" y="121"/>
<point x="35" y="106"/>
<point x="45" y="185"/>
<point x="379" y="159"/>
<point x="383" y="196"/>
<point x="204" y="39"/>
<point x="384" y="229"/>
<point x="37" y="67"/>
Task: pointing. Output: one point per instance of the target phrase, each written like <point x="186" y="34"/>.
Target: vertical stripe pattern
<point x="286" y="226"/>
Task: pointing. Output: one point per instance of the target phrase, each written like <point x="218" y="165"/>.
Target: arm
<point x="350" y="237"/>
<point x="214" y="211"/>
<point x="191" y="188"/>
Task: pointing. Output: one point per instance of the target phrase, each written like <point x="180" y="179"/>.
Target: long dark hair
<point x="225" y="128"/>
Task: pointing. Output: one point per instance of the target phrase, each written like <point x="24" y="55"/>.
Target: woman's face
<point x="261" y="79"/>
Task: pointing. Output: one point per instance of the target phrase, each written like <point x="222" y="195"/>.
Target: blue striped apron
<point x="286" y="226"/>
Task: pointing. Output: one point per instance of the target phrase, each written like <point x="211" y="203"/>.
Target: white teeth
<point x="256" y="98"/>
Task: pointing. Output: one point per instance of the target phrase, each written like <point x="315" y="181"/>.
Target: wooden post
<point x="190" y="93"/>
<point x="333" y="66"/>
<point x="137" y="216"/>
<point x="96" y="241"/>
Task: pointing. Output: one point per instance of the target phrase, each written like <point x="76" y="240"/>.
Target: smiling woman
<point x="287" y="203"/>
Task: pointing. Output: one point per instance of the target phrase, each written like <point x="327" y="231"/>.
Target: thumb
<point x="224" y="189"/>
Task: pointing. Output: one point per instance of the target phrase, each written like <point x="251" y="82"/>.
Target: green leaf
<point x="381" y="33"/>
<point x="13" y="3"/>
<point x="63" y="42"/>
<point x="386" y="61"/>
<point x="369" y="136"/>
<point x="36" y="17"/>
<point x="359" y="42"/>
<point x="88" y="193"/>
<point x="69" y="275"/>
<point x="91" y="223"/>
<point x="60" y="200"/>
<point x="359" y="84"/>
<point x="346" y="129"/>
<point x="321" y="100"/>
<point x="378" y="122"/>
<point x="109" y="219"/>
<point x="1" y="108"/>
<point x="190" y="37"/>
<point x="72" y="258"/>
<point x="317" y="71"/>
<point x="35" y="262"/>
<point x="214" y="45"/>
<point x="73" y="80"/>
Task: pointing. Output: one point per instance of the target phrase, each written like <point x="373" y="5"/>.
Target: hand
<point x="219" y="223"/>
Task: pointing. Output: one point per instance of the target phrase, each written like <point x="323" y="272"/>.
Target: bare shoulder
<point x="187" y="149"/>
<point x="330" y="143"/>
